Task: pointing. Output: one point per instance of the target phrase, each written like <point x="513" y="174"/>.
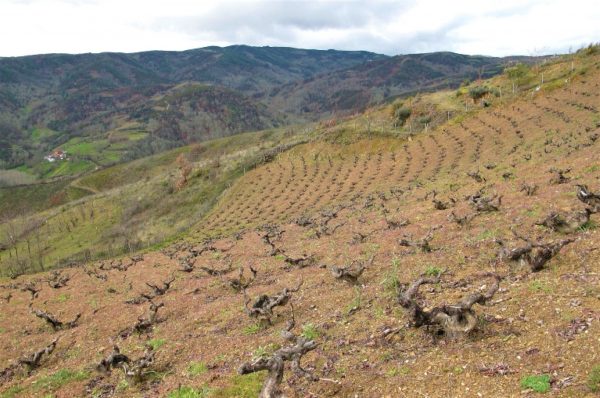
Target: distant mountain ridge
<point x="355" y="88"/>
<point x="80" y="101"/>
<point x="249" y="69"/>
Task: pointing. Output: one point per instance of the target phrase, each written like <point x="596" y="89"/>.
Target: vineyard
<point x="317" y="175"/>
<point x="459" y="261"/>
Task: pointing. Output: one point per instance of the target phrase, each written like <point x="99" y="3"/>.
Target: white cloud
<point x="391" y="27"/>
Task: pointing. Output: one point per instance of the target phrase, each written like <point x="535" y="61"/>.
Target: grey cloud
<point x="285" y="22"/>
<point x="435" y="39"/>
<point x="281" y="21"/>
<point x="345" y="24"/>
<point x="304" y="15"/>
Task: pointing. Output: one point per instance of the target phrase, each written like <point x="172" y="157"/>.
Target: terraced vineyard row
<point x="315" y="176"/>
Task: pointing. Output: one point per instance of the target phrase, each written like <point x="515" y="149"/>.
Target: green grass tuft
<point x="310" y="331"/>
<point x="13" y="392"/>
<point x="196" y="368"/>
<point x="433" y="271"/>
<point x="253" y="329"/>
<point x="356" y="302"/>
<point x="59" y="379"/>
<point x="63" y="298"/>
<point x="265" y="351"/>
<point x="593" y="381"/>
<point x="390" y="281"/>
<point x="537" y="383"/>
<point x="246" y="386"/>
<point x="540" y="286"/>
<point x="156" y="343"/>
<point x="588" y="226"/>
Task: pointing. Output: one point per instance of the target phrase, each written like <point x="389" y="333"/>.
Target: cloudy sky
<point x="490" y="27"/>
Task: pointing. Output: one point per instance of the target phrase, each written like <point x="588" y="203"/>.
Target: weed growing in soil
<point x="59" y="379"/>
<point x="539" y="286"/>
<point x="63" y="298"/>
<point x="588" y="226"/>
<point x="265" y="351"/>
<point x="310" y="331"/>
<point x="355" y="303"/>
<point x="390" y="281"/>
<point x="12" y="392"/>
<point x="593" y="381"/>
<point x="156" y="343"/>
<point x="253" y="329"/>
<point x="196" y="368"/>
<point x="537" y="383"/>
<point x="433" y="271"/>
<point x="246" y="386"/>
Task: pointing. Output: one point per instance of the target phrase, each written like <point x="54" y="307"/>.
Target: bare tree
<point x="136" y="369"/>
<point x="588" y="197"/>
<point x="529" y="189"/>
<point x="396" y="223"/>
<point x="187" y="264"/>
<point x="161" y="290"/>
<point x="263" y="306"/>
<point x="455" y="320"/>
<point x="535" y="254"/>
<point x="115" y="358"/>
<point x="32" y="361"/>
<point x="139" y="368"/>
<point x="463" y="221"/>
<point x="218" y="272"/>
<point x="53" y="321"/>
<point x="57" y="280"/>
<point x="440" y="205"/>
<point x="422" y="244"/>
<point x="304" y="221"/>
<point x="485" y="203"/>
<point x="304" y="260"/>
<point x="352" y="272"/>
<point x="566" y="222"/>
<point x="31" y="288"/>
<point x="241" y="283"/>
<point x="559" y="176"/>
<point x="144" y="324"/>
<point x="275" y="363"/>
<point x="269" y="233"/>
<point x="476" y="175"/>
<point x="93" y="273"/>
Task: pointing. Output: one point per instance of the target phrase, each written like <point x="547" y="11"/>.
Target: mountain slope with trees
<point x="61" y="101"/>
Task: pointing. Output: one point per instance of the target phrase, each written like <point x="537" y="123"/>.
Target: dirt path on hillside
<point x="77" y="184"/>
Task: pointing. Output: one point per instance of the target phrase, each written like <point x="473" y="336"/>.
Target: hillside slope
<point x="440" y="204"/>
<point x="355" y="88"/>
